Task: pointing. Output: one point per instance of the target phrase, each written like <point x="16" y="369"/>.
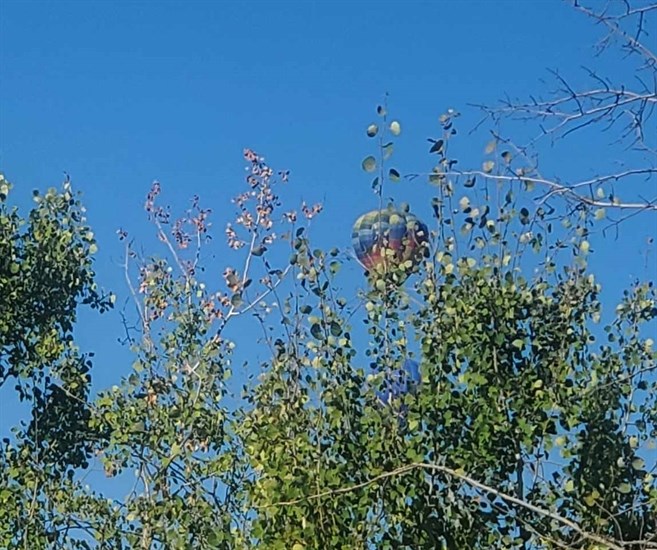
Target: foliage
<point x="45" y="273"/>
<point x="534" y="424"/>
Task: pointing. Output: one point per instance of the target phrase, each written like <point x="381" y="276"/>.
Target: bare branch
<point x="612" y="22"/>
<point x="568" y="191"/>
<point x="611" y="104"/>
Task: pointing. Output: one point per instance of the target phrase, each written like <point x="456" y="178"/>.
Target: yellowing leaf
<point x="624" y="488"/>
<point x="590" y="499"/>
<point x="369" y="164"/>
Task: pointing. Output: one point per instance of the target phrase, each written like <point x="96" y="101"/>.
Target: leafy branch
<point x="609" y="544"/>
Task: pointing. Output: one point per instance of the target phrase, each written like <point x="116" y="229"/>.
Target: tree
<point x="620" y="106"/>
<point x="45" y="274"/>
<point x="533" y="426"/>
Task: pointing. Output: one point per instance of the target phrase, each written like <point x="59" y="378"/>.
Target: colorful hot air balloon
<point x="390" y="240"/>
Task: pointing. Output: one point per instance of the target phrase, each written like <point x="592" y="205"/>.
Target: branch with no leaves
<point x="572" y="110"/>
<point x="569" y="109"/>
<point x="568" y="191"/>
<point x="632" y="41"/>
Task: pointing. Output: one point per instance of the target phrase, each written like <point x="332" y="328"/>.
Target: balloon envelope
<point x="389" y="240"/>
<point x="401" y="381"/>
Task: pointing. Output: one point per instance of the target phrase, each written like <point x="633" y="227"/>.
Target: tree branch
<point x="609" y="544"/>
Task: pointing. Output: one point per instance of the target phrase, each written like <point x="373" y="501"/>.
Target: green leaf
<point x="369" y="164"/>
<point x="518" y="343"/>
<point x="524" y="216"/>
<point x="336" y="329"/>
<point x="437" y="146"/>
<point x="316" y="331"/>
<point x="236" y="300"/>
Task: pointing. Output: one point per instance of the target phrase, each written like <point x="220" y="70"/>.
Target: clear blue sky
<point x="119" y="93"/>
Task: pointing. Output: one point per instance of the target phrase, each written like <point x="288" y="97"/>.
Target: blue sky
<point x="120" y="93"/>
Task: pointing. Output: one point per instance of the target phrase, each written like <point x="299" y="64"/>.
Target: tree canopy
<point x="532" y="419"/>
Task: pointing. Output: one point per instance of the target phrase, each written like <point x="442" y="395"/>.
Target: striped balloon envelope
<point x="390" y="240"/>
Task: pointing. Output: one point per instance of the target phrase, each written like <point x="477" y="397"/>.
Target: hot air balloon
<point x="400" y="381"/>
<point x="389" y="241"/>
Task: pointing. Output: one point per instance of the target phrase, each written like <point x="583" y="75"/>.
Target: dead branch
<point x="612" y="104"/>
